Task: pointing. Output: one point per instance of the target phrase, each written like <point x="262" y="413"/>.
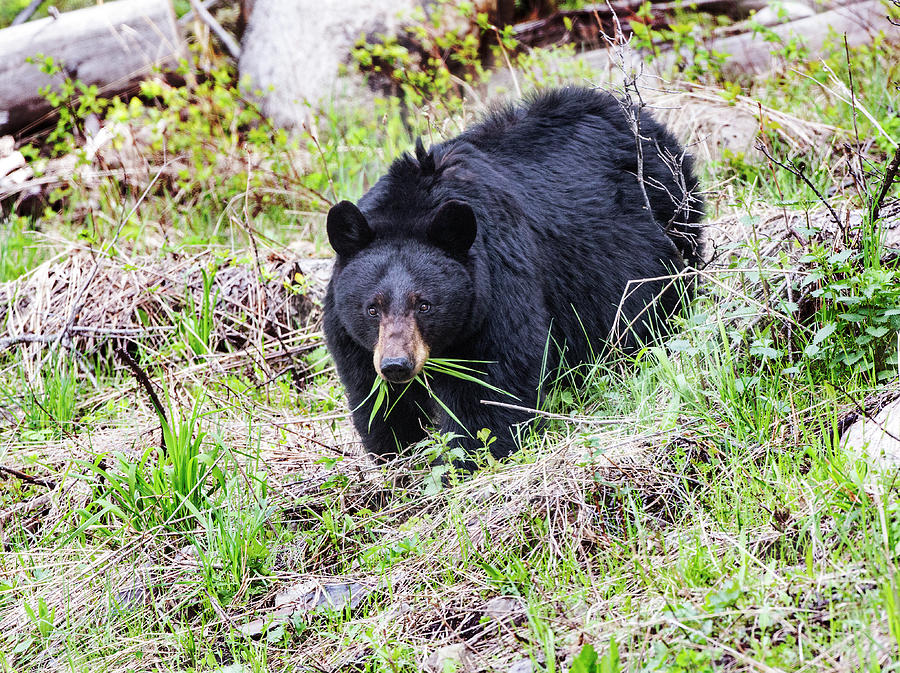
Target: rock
<point x="877" y="440"/>
<point x="11" y="162"/>
<point x="521" y="666"/>
<point x="308" y="597"/>
<point x="708" y="126"/>
<point x="449" y="658"/>
<point x="304" y="598"/>
<point x="292" y="51"/>
<point x="504" y="608"/>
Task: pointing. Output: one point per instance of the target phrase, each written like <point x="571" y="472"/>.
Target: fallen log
<point x="113" y="46"/>
<point x="586" y="25"/>
<point x="754" y="52"/>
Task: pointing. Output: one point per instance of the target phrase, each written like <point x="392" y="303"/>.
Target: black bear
<point x="516" y="244"/>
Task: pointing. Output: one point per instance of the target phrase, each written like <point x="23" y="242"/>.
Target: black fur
<point x="529" y="224"/>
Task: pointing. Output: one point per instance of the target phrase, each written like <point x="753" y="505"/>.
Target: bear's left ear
<point x="348" y="230"/>
<point x="453" y="228"/>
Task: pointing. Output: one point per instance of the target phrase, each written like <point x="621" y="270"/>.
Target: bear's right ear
<point x="348" y="231"/>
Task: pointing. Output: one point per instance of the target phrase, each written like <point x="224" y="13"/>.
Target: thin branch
<point x="889" y="177"/>
<point x="144" y="380"/>
<point x="112" y="333"/>
<point x="230" y="43"/>
<point x="27" y="478"/>
<point x="546" y="414"/>
<point x="26" y="13"/>
<point x="800" y="174"/>
<point x="855" y="112"/>
<point x="189" y="16"/>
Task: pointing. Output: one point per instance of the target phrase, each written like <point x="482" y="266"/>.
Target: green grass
<point x="686" y="508"/>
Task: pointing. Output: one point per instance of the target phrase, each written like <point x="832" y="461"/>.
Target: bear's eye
<point x="372" y="311"/>
<point x="424" y="307"/>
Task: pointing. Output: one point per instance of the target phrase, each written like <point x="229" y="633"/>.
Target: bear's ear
<point x="348" y="231"/>
<point x="453" y="228"/>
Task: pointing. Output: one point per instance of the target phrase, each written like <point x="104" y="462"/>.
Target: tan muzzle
<point x="400" y="352"/>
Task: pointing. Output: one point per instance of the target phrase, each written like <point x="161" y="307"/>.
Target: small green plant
<point x="232" y="547"/>
<point x="196" y="324"/>
<point x="42" y="617"/>
<point x="48" y="401"/>
<point x="858" y="316"/>
<point x="18" y="251"/>
<point x="167" y="486"/>
<point x="588" y="661"/>
<point x="442" y="63"/>
<point x="688" y="38"/>
<point x="74" y="101"/>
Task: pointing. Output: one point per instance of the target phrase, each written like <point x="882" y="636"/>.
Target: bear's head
<point x="403" y="293"/>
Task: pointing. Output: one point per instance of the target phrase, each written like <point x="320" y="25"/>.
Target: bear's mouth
<point x="401" y="352"/>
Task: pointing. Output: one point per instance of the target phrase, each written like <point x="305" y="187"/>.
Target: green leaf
<point x="877" y="332"/>
<point x="824" y="333"/>
<point x="766" y="352"/>
<point x="586" y="661"/>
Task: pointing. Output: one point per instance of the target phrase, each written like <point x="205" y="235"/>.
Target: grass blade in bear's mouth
<point x="455" y="368"/>
<point x="448" y="366"/>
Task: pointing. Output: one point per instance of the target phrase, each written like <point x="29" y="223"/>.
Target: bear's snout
<point x="398" y="370"/>
<point x="401" y="351"/>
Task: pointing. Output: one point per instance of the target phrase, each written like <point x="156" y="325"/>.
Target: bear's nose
<point x="397" y="370"/>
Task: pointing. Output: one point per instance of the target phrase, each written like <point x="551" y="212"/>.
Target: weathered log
<point x="588" y="23"/>
<point x="750" y="53"/>
<point x="114" y="46"/>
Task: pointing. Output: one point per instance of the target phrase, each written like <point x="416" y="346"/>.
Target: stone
<point x="292" y="50"/>
<point x="877" y="440"/>
<point x="521" y="666"/>
<point x="449" y="658"/>
<point x="504" y="608"/>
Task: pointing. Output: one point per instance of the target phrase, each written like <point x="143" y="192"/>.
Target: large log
<point x="586" y="26"/>
<point x="114" y="46"/>
<point x="752" y="53"/>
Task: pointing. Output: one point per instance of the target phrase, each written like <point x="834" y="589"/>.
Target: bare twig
<point x="27" y="478"/>
<point x="854" y="106"/>
<point x="889" y="177"/>
<point x="26" y="13"/>
<point x="189" y="16"/>
<point x="631" y="109"/>
<point x="800" y="174"/>
<point x="144" y="380"/>
<point x="123" y="332"/>
<point x="562" y="417"/>
<point x="230" y="43"/>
